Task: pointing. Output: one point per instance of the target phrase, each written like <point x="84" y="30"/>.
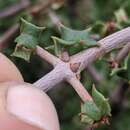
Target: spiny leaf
<point x="101" y="102"/>
<point x="116" y="71"/>
<point x="27" y="40"/>
<point x="91" y="110"/>
<point x="121" y="15"/>
<point x="22" y="52"/>
<point x="122" y="18"/>
<point x="30" y="28"/>
<point x="123" y="71"/>
<point x="72" y="38"/>
<point x="85" y="119"/>
<point x="96" y="110"/>
<point x="50" y="48"/>
<point x="63" y="42"/>
<point x="77" y="36"/>
<point x="99" y="28"/>
<point x="57" y="47"/>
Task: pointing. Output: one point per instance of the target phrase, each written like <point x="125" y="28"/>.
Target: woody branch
<point x="63" y="71"/>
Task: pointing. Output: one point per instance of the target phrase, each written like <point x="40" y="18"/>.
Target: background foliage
<point x="77" y="15"/>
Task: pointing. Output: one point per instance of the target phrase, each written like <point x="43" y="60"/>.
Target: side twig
<point x="8" y="35"/>
<point x="54" y="18"/>
<point x="45" y="55"/>
<point x="122" y="53"/>
<point x="10" y="11"/>
<point x="79" y="88"/>
<point x="96" y="77"/>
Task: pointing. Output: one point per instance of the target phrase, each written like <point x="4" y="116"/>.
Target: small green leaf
<point x="96" y="110"/>
<point x="22" y="52"/>
<point x="101" y="102"/>
<point x="116" y="71"/>
<point x="30" y="28"/>
<point x="99" y="28"/>
<point x="123" y="71"/>
<point x="74" y="39"/>
<point x="91" y="110"/>
<point x="85" y="119"/>
<point x="50" y="48"/>
<point x="63" y="42"/>
<point x="57" y="47"/>
<point x="27" y="40"/>
<point x="121" y="15"/>
<point x="77" y="36"/>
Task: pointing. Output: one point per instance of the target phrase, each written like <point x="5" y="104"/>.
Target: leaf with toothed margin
<point x="75" y="36"/>
<point x="121" y="69"/>
<point x="121" y="15"/>
<point x="117" y="71"/>
<point x="63" y="42"/>
<point x="99" y="28"/>
<point x="50" y="47"/>
<point x="94" y="111"/>
<point x="85" y="119"/>
<point x="72" y="38"/>
<point x="57" y="48"/>
<point x="27" y="40"/>
<point x="101" y="102"/>
<point x="23" y="53"/>
<point x="124" y="71"/>
<point x="122" y="18"/>
<point x="91" y="111"/>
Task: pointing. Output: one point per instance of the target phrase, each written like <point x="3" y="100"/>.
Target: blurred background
<point x="76" y="14"/>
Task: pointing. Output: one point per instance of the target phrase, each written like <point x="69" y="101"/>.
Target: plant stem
<point x="60" y="73"/>
<point x="10" y="11"/>
<point x="54" y="18"/>
<point x="8" y="35"/>
<point x="96" y="77"/>
<point x="45" y="55"/>
<point x="39" y="7"/>
<point x="122" y="53"/>
<point x="86" y="57"/>
<point x="107" y="44"/>
<point x="51" y="79"/>
<point x="79" y="88"/>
